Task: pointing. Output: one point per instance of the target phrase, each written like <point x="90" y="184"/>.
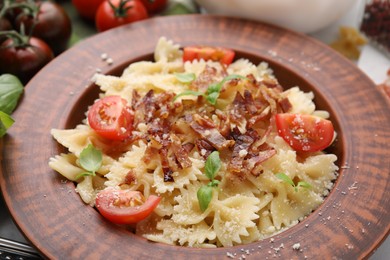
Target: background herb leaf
<point x="91" y="159"/>
<point x="204" y="194"/>
<point x="213" y="164"/>
<point x="10" y="91"/>
<point x="6" y="122"/>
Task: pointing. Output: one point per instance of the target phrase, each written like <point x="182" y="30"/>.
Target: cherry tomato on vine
<point x="87" y="8"/>
<point x="113" y="13"/>
<point x="52" y="25"/>
<point x="24" y="58"/>
<point x="154" y="6"/>
<point x="305" y="133"/>
<point x="223" y="55"/>
<point x="111" y="118"/>
<point x="125" y="206"/>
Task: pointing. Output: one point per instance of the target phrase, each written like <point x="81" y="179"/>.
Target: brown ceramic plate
<point x="350" y="224"/>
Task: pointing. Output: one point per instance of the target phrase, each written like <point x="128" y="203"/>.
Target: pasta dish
<point x="197" y="149"/>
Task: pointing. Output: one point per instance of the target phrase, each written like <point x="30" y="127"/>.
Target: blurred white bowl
<point x="300" y="15"/>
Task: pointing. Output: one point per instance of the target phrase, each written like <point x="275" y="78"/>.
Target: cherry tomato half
<point x="121" y="12"/>
<point x="305" y="133"/>
<point x="223" y="55"/>
<point x="154" y="6"/>
<point x="52" y="25"/>
<point x="26" y="60"/>
<point x="125" y="206"/>
<point x="87" y="8"/>
<point x="111" y="118"/>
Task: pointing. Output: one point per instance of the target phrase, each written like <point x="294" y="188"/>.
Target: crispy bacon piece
<point x="237" y="112"/>
<point x="272" y="83"/>
<point x="207" y="130"/>
<point x="256" y="160"/>
<point x="204" y="147"/>
<point x="240" y="150"/>
<point x="165" y="165"/>
<point x="285" y="105"/>
<point x="205" y="78"/>
<point x="250" y="105"/>
<point x="180" y="152"/>
<point x="130" y="177"/>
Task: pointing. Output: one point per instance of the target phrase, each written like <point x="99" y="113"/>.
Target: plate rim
<point x="154" y="22"/>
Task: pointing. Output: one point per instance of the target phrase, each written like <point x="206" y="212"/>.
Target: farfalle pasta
<point x="176" y="127"/>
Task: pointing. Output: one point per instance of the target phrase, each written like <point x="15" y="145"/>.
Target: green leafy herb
<point x="91" y="160"/>
<point x="214" y="89"/>
<point x="185" y="77"/>
<point x="288" y="180"/>
<point x="304" y="184"/>
<point x="10" y="91"/>
<point x="205" y="193"/>
<point x="6" y="122"/>
<point x="213" y="164"/>
<point x="212" y="92"/>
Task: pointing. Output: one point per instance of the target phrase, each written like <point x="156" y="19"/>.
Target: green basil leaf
<point x="212" y="98"/>
<point x="185" y="77"/>
<point x="285" y="178"/>
<point x="214" y="88"/>
<point x="204" y="194"/>
<point x="304" y="184"/>
<point x="213" y="183"/>
<point x="6" y="122"/>
<point x="10" y="91"/>
<point x="188" y="93"/>
<point x="213" y="164"/>
<point x="91" y="159"/>
<point x="83" y="174"/>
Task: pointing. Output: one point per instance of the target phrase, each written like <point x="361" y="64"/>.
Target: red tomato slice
<point x="111" y="118"/>
<point x="125" y="206"/>
<point x="223" y="55"/>
<point x="305" y="133"/>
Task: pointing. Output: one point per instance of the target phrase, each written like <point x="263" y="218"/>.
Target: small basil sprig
<point x="212" y="92"/>
<point x="205" y="193"/>
<point x="185" y="77"/>
<point x="288" y="180"/>
<point x="91" y="160"/>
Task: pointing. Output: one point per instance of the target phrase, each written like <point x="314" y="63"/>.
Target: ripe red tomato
<point x="87" y="8"/>
<point x="111" y="118"/>
<point x="154" y="6"/>
<point x="125" y="206"/>
<point x="121" y="12"/>
<point x="53" y="25"/>
<point x="305" y="133"/>
<point x="24" y="60"/>
<point x="223" y="55"/>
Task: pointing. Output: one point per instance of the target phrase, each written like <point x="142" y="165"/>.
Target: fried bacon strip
<point x="207" y="130"/>
<point x="180" y="152"/>
<point x="173" y="129"/>
<point x="240" y="150"/>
